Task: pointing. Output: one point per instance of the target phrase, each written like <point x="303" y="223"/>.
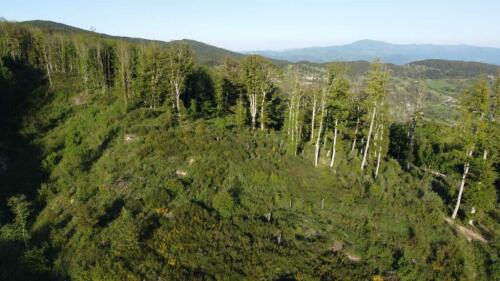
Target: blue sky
<point x="276" y="24"/>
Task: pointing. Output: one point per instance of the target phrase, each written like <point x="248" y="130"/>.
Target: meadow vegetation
<point x="126" y="160"/>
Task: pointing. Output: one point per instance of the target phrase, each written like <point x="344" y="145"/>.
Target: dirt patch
<point x="80" y="100"/>
<point x="337" y="246"/>
<point x="468" y="233"/>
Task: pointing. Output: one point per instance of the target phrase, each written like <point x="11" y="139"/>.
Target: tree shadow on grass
<point x="22" y="93"/>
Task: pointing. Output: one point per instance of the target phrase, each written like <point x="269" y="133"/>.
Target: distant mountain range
<point x="355" y="53"/>
<point x="387" y="52"/>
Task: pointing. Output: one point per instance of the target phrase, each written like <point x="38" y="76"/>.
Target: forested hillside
<point x="206" y="54"/>
<point x="136" y="160"/>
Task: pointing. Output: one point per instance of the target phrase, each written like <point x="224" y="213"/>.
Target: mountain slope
<point x="201" y="202"/>
<point x="114" y="188"/>
<point x="206" y="54"/>
<point x="450" y="68"/>
<point x="391" y="53"/>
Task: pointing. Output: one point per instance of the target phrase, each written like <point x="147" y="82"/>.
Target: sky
<point x="276" y="24"/>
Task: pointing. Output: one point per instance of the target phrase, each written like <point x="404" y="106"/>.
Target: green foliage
<point x="240" y="114"/>
<point x="223" y="203"/>
<point x="18" y="229"/>
<point x="149" y="193"/>
<point x="446" y="68"/>
<point x="259" y="75"/>
<point x="5" y="74"/>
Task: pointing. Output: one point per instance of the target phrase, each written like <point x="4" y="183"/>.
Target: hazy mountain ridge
<point x="206" y="53"/>
<point x="209" y="54"/>
<point x="387" y="52"/>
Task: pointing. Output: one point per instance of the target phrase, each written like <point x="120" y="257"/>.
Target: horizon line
<point x="246" y="51"/>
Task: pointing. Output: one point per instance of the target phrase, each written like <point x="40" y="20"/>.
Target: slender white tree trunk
<point x="47" y="63"/>
<point x="334" y="144"/>
<point x="461" y="189"/>
<point x="122" y="65"/>
<point x="290" y="127"/>
<point x="355" y="136"/>
<point x="325" y="138"/>
<point x="378" y="160"/>
<point x="48" y="74"/>
<point x="268" y="216"/>
<point x="63" y="61"/>
<point x="262" y="110"/>
<point x="253" y="109"/>
<point x="262" y="126"/>
<point x="177" y="98"/>
<point x="296" y="119"/>
<point x="313" y="119"/>
<point x="379" y="151"/>
<point x="318" y="139"/>
<point x="368" y="138"/>
<point x="318" y="145"/>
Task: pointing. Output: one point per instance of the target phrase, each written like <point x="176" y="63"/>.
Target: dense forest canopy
<point x="136" y="160"/>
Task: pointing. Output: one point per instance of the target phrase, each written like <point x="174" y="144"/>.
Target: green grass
<point x="120" y="210"/>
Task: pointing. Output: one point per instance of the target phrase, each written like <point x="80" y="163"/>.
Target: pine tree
<point x="125" y="76"/>
<point x="338" y="104"/>
<point x="259" y="75"/>
<point x="375" y="93"/>
<point x="475" y="106"/>
<point x="294" y="118"/>
<point x="179" y="63"/>
<point x="18" y="229"/>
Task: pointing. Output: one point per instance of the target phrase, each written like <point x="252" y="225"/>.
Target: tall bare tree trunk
<point x="177" y="98"/>
<point x="325" y="137"/>
<point x="124" y="82"/>
<point x="48" y="74"/>
<point x="290" y="112"/>
<point x="262" y="110"/>
<point x="296" y="119"/>
<point x="63" y="56"/>
<point x="462" y="184"/>
<point x="253" y="109"/>
<point x="378" y="159"/>
<point x="318" y="145"/>
<point x="318" y="139"/>
<point x="313" y="119"/>
<point x="100" y="68"/>
<point x="298" y="139"/>
<point x="368" y="138"/>
<point x="334" y="144"/>
<point x="47" y="63"/>
<point x="379" y="150"/>
<point x="355" y="136"/>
